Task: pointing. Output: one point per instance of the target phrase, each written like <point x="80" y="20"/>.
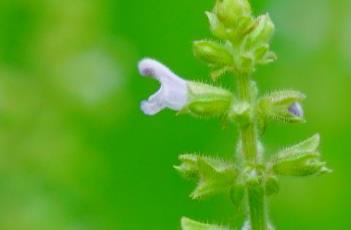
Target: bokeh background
<point x="76" y="153"/>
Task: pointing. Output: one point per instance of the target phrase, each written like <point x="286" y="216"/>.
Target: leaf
<point x="188" y="224"/>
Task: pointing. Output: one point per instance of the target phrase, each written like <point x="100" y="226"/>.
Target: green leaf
<point x="188" y="224"/>
<point x="214" y="175"/>
<point x="302" y="159"/>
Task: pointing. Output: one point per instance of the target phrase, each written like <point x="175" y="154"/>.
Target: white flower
<point x="173" y="93"/>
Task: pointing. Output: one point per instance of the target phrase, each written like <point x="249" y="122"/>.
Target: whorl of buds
<point x="247" y="39"/>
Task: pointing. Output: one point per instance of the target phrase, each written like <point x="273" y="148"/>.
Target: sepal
<point x="283" y="106"/>
<point x="214" y="175"/>
<point x="302" y="159"/>
<point x="189" y="224"/>
<point x="206" y="101"/>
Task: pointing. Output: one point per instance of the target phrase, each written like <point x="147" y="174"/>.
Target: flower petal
<point x="173" y="92"/>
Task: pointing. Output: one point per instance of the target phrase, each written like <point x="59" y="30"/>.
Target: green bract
<point x="302" y="159"/>
<point x="188" y="224"/>
<point x="214" y="175"/>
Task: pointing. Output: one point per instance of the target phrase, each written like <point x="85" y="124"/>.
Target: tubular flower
<point x="173" y="92"/>
<point x="194" y="98"/>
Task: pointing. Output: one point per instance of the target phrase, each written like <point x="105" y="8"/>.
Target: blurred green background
<point x="76" y="153"/>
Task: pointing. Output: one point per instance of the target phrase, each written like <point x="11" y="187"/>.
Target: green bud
<point x="282" y="106"/>
<point x="261" y="34"/>
<point x="230" y="11"/>
<point x="207" y="101"/>
<point x="213" y="53"/>
<point x="241" y="113"/>
<point x="188" y="224"/>
<point x="216" y="27"/>
<point x="302" y="159"/>
<point x="215" y="176"/>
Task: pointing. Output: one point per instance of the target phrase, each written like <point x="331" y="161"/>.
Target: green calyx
<point x="302" y="159"/>
<point x="207" y="101"/>
<point x="284" y="106"/>
<point x="214" y="175"/>
<point x="229" y="12"/>
<point x="212" y="53"/>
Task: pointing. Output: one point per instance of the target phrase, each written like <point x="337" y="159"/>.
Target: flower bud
<point x="262" y="32"/>
<point x="217" y="28"/>
<point x="230" y="11"/>
<point x="241" y="113"/>
<point x="302" y="159"/>
<point x="197" y="99"/>
<point x="188" y="224"/>
<point x="282" y="106"/>
<point x="213" y="53"/>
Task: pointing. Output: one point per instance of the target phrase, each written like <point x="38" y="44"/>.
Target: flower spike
<point x="173" y="93"/>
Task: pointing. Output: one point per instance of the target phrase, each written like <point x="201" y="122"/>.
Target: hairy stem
<point x="248" y="135"/>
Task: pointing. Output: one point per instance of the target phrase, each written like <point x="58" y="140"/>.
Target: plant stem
<point x="248" y="135"/>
